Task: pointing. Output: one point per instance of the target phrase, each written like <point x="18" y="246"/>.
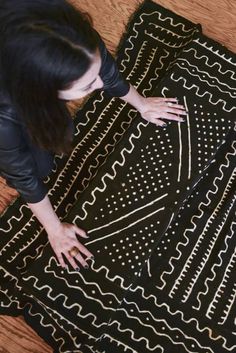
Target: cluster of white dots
<point x="131" y="252"/>
<point x="210" y="134"/>
<point x="143" y="179"/>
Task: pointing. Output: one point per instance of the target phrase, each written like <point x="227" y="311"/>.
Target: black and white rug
<point x="158" y="204"/>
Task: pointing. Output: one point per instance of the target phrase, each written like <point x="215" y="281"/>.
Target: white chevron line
<point x="128" y="214"/>
<point x="122" y="229"/>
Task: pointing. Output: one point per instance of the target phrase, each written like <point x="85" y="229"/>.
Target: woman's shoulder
<point x="10" y="129"/>
<point x="10" y="126"/>
<point x="7" y="110"/>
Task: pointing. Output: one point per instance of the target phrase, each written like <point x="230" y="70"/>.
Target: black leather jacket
<point x="18" y="164"/>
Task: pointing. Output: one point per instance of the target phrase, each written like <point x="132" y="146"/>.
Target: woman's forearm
<point x="134" y="98"/>
<point x="45" y="213"/>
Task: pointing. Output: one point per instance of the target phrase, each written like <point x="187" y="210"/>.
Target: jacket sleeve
<point x="17" y="165"/>
<point x="114" y="83"/>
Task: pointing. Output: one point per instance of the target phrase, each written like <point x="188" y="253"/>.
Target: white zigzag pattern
<point x="232" y="95"/>
<point x="171" y="32"/>
<point x="222" y="285"/>
<point x="147" y="344"/>
<point x="158" y="320"/>
<point x="80" y="123"/>
<point x="106" y="154"/>
<point x="74" y="305"/>
<point x="207" y="63"/>
<point x="207" y="253"/>
<point x="41" y="322"/>
<point x="156" y="74"/>
<point x="90" y="151"/>
<point x="219" y="264"/>
<point x="60" y="326"/>
<point x="205" y="93"/>
<point x="176" y="46"/>
<point x="120" y="280"/>
<point x="21" y="210"/>
<point x="216" y="52"/>
<point x="178" y="312"/>
<point x="136" y="33"/>
<point x="48" y="270"/>
<point x="38" y="254"/>
<point x="112" y="176"/>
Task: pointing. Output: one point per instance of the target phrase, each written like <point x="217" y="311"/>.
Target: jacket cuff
<point x="119" y="91"/>
<point x="34" y="198"/>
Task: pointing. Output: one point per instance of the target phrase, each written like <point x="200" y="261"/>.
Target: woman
<point x="50" y="54"/>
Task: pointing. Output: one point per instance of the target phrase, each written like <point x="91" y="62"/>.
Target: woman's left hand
<point x="155" y="109"/>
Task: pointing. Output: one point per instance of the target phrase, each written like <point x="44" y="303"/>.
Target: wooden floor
<point x="218" y="19"/>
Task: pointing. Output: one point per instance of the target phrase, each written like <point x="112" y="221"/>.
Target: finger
<point x="80" y="232"/>
<point x="61" y="261"/>
<point x="84" y="250"/>
<point x="72" y="262"/>
<point x="172" y="117"/>
<point x="81" y="260"/>
<point x="160" y="99"/>
<point x="179" y="106"/>
<point x="157" y="122"/>
<point x="176" y="111"/>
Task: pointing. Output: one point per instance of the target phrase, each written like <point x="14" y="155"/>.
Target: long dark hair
<point x="45" y="45"/>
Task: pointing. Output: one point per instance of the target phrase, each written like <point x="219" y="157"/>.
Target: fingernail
<point x="77" y="269"/>
<point x="86" y="267"/>
<point x="92" y="257"/>
<point x="164" y="125"/>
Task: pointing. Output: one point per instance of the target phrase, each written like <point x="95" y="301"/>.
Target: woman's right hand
<point x="63" y="239"/>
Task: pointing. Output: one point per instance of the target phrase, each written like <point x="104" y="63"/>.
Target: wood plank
<point x="16" y="336"/>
